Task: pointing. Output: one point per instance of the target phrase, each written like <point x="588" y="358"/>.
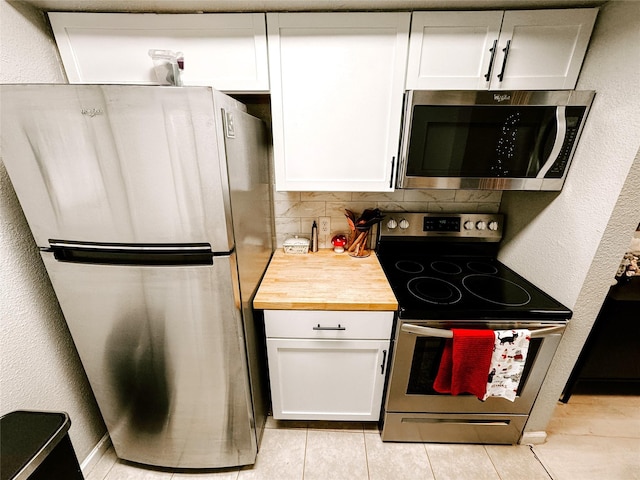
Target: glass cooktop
<point x="465" y="287"/>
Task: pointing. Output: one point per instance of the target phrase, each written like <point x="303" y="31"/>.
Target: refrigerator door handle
<point x="158" y="247"/>
<point x="132" y="254"/>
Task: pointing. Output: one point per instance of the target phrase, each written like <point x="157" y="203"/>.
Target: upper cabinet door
<point x="542" y="49"/>
<point x="225" y="51"/>
<point x="513" y="50"/>
<point x="337" y="83"/>
<point x="452" y="50"/>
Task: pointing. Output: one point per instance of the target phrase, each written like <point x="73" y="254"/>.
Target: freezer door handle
<point x="132" y="254"/>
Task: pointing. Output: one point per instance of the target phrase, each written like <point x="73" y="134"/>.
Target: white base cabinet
<point x="327" y="365"/>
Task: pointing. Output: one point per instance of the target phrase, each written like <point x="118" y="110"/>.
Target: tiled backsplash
<point x="295" y="211"/>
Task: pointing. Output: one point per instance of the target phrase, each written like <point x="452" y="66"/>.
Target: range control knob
<point x="404" y="224"/>
<point x="468" y="225"/>
<point x="493" y="225"/>
<point x="481" y="225"/>
<point x="391" y="224"/>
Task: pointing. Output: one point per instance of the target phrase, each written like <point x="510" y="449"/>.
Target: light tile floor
<point x="593" y="437"/>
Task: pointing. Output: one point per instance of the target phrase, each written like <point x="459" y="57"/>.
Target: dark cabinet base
<point x="610" y="360"/>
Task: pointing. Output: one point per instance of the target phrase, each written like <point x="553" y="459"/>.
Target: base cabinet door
<point x="327" y="379"/>
<point x="327" y="364"/>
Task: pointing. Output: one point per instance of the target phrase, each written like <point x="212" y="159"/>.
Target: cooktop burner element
<point x="445" y="267"/>
<point x="409" y="267"/>
<point x="448" y="268"/>
<point x="434" y="290"/>
<point x="482" y="267"/>
<point x="496" y="290"/>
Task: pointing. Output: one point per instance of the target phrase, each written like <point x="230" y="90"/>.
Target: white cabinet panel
<point x="452" y="50"/>
<point x="513" y="50"/>
<point x="545" y="48"/>
<point x="333" y="372"/>
<point x="226" y="51"/>
<point x="337" y="82"/>
<point x="327" y="379"/>
<point x="328" y="324"/>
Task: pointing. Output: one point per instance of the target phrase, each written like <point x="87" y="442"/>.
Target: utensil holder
<point x="358" y="245"/>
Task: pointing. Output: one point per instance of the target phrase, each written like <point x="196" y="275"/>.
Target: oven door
<point x="418" y="349"/>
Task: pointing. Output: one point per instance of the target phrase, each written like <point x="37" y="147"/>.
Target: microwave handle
<point x="561" y="131"/>
<point x="442" y="333"/>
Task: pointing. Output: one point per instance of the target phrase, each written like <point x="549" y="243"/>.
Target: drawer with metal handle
<point x="328" y="324"/>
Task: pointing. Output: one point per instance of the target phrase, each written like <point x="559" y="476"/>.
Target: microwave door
<point x="481" y="142"/>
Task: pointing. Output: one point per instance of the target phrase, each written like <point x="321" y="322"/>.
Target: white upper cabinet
<point x="513" y="50"/>
<point x="451" y="50"/>
<point x="225" y="51"/>
<point x="337" y="83"/>
<point x="543" y="49"/>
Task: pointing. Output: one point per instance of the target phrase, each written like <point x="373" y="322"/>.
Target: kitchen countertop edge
<point x="324" y="281"/>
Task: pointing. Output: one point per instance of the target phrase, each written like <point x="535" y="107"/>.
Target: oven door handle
<point x="442" y="333"/>
<point x="426" y="331"/>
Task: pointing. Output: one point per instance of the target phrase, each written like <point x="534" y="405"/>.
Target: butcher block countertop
<point x="324" y="280"/>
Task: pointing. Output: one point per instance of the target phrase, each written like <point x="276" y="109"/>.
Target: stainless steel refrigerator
<point x="150" y="206"/>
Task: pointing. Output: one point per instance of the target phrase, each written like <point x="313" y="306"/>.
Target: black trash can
<point x="36" y="446"/>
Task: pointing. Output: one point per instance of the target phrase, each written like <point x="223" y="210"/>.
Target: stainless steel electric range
<point x="444" y="272"/>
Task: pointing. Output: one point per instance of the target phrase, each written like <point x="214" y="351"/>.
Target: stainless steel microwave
<point x="493" y="140"/>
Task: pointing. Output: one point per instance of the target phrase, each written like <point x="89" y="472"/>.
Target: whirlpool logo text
<point x="501" y="97"/>
<point x="91" y="112"/>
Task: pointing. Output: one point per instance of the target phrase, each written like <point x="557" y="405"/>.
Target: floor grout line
<point x="304" y="458"/>
<point x="366" y="454"/>
<point x="535" y="455"/>
<point x="426" y="451"/>
<point x="495" y="469"/>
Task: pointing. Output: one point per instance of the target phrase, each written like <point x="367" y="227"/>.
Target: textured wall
<point x="570" y="244"/>
<point x="39" y="366"/>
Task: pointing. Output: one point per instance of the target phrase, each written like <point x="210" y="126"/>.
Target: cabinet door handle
<point x="393" y="165"/>
<point x="487" y="75"/>
<point x="339" y="327"/>
<point x="504" y="60"/>
<point x="384" y="361"/>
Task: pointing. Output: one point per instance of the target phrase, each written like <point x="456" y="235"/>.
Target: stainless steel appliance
<point x="129" y="192"/>
<point x="506" y="140"/>
<point x="444" y="273"/>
